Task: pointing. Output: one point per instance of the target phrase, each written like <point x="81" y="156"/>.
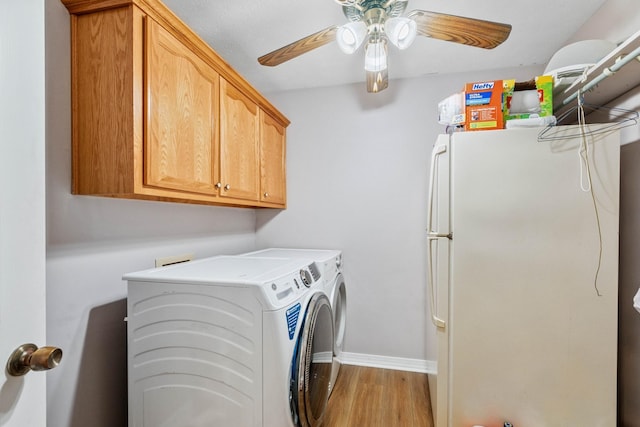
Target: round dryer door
<point x="339" y="296"/>
<point x="311" y="372"/>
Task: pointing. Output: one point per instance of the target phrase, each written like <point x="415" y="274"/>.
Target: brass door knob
<point x="28" y="357"/>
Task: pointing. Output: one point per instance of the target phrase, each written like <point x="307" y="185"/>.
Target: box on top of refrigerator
<point x="523" y="100"/>
<point x="483" y="105"/>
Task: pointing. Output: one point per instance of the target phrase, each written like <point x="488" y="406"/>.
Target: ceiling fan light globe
<point x="375" y="57"/>
<point x="350" y="36"/>
<point x="401" y="31"/>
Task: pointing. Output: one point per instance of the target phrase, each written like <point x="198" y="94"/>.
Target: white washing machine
<point x="229" y="341"/>
<point x="330" y="264"/>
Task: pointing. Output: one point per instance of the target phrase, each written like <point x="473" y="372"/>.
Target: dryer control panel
<point x="289" y="288"/>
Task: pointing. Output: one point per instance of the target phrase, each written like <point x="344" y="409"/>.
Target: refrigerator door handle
<point x="438" y="322"/>
<point x="436" y="235"/>
<point x="433" y="236"/>
<point x="437" y="151"/>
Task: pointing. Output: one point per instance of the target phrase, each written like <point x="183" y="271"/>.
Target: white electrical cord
<point x="583" y="151"/>
<point x="583" y="155"/>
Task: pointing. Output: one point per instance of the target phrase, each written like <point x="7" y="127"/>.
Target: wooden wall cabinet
<point x="239" y="144"/>
<point x="272" y="160"/>
<point x="181" y="138"/>
<point x="158" y="115"/>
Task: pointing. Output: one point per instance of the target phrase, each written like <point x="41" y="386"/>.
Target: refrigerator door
<point x="531" y="326"/>
<point x="437" y="224"/>
<point x="438" y="241"/>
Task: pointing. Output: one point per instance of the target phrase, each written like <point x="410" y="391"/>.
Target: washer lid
<point x="318" y="255"/>
<point x="328" y="261"/>
<point x="221" y="269"/>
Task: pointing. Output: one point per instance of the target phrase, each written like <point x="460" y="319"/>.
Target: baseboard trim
<point x="386" y="362"/>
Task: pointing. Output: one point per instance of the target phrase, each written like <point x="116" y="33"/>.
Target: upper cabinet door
<point x="272" y="160"/>
<point x="158" y="115"/>
<point x="239" y="149"/>
<point x="180" y="145"/>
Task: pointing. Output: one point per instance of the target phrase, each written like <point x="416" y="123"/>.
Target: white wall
<point x="358" y="168"/>
<point x="614" y="21"/>
<point x="91" y="243"/>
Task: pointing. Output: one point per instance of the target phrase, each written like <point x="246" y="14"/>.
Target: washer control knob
<point x="306" y="278"/>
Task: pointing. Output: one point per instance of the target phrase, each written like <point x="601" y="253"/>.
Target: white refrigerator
<point x="523" y="277"/>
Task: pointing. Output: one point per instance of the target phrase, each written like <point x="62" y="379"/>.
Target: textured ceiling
<point x="242" y="30"/>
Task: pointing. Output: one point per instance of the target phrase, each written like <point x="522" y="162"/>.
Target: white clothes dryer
<point x="229" y="341"/>
<point x="329" y="263"/>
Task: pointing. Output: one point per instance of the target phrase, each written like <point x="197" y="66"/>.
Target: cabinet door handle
<point x="227" y="187"/>
<point x="266" y="195"/>
<point x="218" y="185"/>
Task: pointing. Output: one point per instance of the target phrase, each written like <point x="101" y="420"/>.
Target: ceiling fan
<point x="380" y="21"/>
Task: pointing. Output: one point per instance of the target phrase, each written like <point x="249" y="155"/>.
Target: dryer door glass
<point x="339" y="313"/>
<point x="314" y="361"/>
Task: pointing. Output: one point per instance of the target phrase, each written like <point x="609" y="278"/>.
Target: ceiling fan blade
<point x="299" y="47"/>
<point x="459" y="29"/>
<point x="377" y="80"/>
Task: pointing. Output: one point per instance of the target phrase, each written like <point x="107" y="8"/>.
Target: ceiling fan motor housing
<point x="374" y="18"/>
<point x="357" y="11"/>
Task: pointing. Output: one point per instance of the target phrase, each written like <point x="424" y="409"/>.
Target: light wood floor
<point x="371" y="397"/>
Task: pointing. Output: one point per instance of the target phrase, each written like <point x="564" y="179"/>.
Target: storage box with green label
<point x="523" y="100"/>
